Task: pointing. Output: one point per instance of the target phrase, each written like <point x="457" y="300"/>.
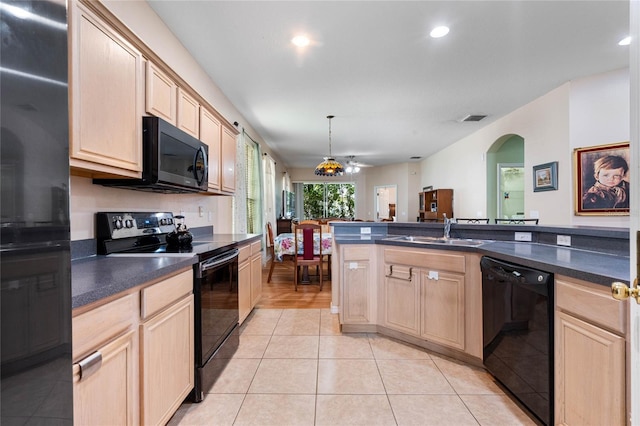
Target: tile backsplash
<point x="87" y="199"/>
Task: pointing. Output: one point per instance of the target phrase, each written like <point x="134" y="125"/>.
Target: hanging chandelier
<point x="329" y="167"/>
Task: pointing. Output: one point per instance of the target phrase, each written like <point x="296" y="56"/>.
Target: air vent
<point x="415" y="157"/>
<point x="474" y="117"/>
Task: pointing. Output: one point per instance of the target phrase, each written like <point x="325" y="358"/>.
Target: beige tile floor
<point x="294" y="367"/>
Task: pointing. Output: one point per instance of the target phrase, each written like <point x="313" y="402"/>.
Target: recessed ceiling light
<point x="625" y="41"/>
<point x="438" y="32"/>
<point x="300" y="41"/>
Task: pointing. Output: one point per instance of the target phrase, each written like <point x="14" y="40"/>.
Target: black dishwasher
<point x="517" y="325"/>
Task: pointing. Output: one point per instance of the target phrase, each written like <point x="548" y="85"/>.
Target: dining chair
<point x="271" y="250"/>
<point x="472" y="220"/>
<point x="304" y="250"/>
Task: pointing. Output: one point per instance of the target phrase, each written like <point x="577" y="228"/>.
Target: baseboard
<point x="335" y="309"/>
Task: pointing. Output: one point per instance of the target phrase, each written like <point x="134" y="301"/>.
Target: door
<point x="386" y="199"/>
<point x="634" y="308"/>
<point x="510" y="191"/>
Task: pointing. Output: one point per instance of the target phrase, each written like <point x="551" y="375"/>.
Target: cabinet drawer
<point x="94" y="328"/>
<point x="356" y="253"/>
<point x="245" y="252"/>
<point x="158" y="296"/>
<point x="592" y="302"/>
<point x="256" y="247"/>
<point x="426" y="259"/>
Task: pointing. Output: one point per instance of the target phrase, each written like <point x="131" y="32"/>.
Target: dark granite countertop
<point x="597" y="267"/>
<point x="96" y="277"/>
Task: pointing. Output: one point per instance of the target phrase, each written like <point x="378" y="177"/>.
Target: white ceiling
<point x="395" y="92"/>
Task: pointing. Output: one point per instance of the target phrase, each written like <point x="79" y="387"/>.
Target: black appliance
<point x="215" y="286"/>
<point x="172" y="161"/>
<point x="517" y="313"/>
<point x="35" y="269"/>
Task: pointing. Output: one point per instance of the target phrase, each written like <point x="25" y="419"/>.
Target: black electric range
<point x="143" y="234"/>
<point x="215" y="285"/>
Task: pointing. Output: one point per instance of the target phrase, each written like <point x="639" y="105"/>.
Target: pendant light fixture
<point x="329" y="167"/>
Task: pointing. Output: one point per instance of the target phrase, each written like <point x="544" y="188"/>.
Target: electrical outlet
<point x="564" y="240"/>
<point x="365" y="230"/>
<point x="200" y="211"/>
<point x="522" y="236"/>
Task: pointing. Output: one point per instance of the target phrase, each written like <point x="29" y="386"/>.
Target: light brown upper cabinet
<point x="188" y="113"/>
<point x="210" y="133"/>
<point x="228" y="160"/>
<point x="107" y="97"/>
<point x="161" y="95"/>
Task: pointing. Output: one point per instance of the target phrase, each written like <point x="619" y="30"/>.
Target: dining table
<point x="283" y="245"/>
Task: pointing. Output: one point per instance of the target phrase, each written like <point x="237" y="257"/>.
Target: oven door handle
<point x="216" y="261"/>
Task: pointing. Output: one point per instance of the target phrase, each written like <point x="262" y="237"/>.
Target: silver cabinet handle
<point x="90" y="365"/>
<point x="398" y="278"/>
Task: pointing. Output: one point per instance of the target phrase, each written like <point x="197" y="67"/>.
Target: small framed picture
<point x="602" y="179"/>
<point x="545" y="177"/>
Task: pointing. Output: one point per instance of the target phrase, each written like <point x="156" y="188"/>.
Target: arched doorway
<point x="505" y="177"/>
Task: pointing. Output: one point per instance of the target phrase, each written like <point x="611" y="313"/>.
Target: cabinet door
<point x="228" y="160"/>
<point x="442" y="308"/>
<point x="256" y="278"/>
<point x="210" y="133"/>
<point x="355" y="296"/>
<point x="401" y="299"/>
<point x="106" y="97"/>
<point x="161" y="94"/>
<point x="589" y="373"/>
<point x="167" y="362"/>
<point x="188" y="114"/>
<point x="108" y="396"/>
<point x="244" y="289"/>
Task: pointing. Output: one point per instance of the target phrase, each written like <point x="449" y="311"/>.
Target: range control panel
<point x="116" y="225"/>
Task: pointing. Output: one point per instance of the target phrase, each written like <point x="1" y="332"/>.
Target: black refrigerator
<point x="35" y="270"/>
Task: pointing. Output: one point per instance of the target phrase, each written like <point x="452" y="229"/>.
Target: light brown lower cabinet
<point x="424" y="295"/>
<point x="249" y="278"/>
<point x="134" y="356"/>
<point x="244" y="282"/>
<point x="358" y="292"/>
<point x="401" y="295"/>
<point x="442" y="312"/>
<point x="256" y="272"/>
<point x="108" y="396"/>
<point x="167" y="366"/>
<point x="590" y="344"/>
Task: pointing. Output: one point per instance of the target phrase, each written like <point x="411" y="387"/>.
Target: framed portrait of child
<point x="602" y="179"/>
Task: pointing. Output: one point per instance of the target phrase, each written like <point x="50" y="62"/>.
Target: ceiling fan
<point x="352" y="166"/>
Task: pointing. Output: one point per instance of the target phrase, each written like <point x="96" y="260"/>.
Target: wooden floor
<point x="279" y="293"/>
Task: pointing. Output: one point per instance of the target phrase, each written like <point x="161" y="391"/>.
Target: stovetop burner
<point x="144" y="235"/>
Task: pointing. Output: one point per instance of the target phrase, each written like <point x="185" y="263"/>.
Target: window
<point x="252" y="175"/>
<point x="328" y="200"/>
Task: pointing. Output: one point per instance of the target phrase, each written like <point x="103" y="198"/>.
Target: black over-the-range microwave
<point x="172" y="161"/>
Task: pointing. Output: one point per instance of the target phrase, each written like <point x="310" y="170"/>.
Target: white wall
<point x="394" y="174"/>
<point x="87" y="198"/>
<point x="599" y="114"/>
<point x="551" y="126"/>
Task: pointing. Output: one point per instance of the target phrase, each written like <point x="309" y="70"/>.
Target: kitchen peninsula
<point x="406" y="281"/>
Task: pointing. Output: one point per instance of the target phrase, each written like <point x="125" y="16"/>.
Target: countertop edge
<point x="99" y="277"/>
<point x="589" y="268"/>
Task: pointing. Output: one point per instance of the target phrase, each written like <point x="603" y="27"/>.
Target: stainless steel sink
<point x="437" y="240"/>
